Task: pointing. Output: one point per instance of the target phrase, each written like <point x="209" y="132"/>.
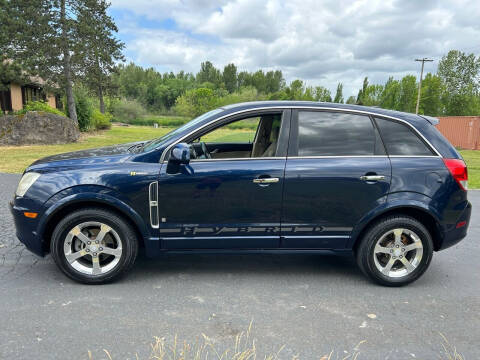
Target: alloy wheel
<point x="92" y="248"/>
<point x="398" y="252"/>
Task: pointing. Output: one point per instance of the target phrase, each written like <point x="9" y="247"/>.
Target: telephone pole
<point x="420" y="82"/>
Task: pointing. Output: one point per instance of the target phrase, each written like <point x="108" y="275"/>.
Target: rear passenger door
<point x="336" y="172"/>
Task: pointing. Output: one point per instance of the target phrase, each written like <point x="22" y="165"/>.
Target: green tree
<point x="274" y="81"/>
<point x="362" y="91"/>
<point x="339" y="94"/>
<point x="209" y="73"/>
<point x="460" y="75"/>
<point x="195" y="102"/>
<point x="372" y="94"/>
<point x="322" y="94"/>
<point x="10" y="72"/>
<point x="296" y="90"/>
<point x="100" y="49"/>
<point x="431" y="96"/>
<point x="43" y="39"/>
<point x="230" y="77"/>
<point x="408" y="94"/>
<point x="351" y="100"/>
<point x="389" y="99"/>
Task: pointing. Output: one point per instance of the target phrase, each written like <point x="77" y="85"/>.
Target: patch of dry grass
<point x="243" y="347"/>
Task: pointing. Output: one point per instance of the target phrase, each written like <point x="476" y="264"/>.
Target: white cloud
<point x="322" y="42"/>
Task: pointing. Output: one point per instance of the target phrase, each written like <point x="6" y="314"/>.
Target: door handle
<point x="266" y="180"/>
<point x="372" y="177"/>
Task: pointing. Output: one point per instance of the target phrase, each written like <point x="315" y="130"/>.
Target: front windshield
<point x="152" y="144"/>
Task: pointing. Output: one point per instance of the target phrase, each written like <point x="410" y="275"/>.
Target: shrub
<point x="84" y="108"/>
<point x="101" y="121"/>
<point x="198" y="101"/>
<point x="195" y="102"/>
<point x="167" y="121"/>
<point x="39" y="106"/>
<point x="127" y="110"/>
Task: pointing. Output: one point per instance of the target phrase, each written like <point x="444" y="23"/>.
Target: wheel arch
<point x="77" y="203"/>
<point x="420" y="213"/>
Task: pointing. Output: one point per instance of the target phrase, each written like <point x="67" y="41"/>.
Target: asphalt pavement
<point x="311" y="304"/>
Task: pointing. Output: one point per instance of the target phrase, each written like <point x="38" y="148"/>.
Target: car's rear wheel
<point x="395" y="251"/>
<point x="94" y="246"/>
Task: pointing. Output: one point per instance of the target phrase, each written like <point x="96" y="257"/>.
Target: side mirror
<point x="180" y="154"/>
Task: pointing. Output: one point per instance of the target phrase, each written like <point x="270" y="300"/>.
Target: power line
<point x="423" y="60"/>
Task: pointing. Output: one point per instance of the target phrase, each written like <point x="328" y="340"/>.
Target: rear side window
<point x="322" y="133"/>
<point x="399" y="139"/>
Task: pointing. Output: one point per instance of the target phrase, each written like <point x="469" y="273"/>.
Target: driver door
<point x="225" y="202"/>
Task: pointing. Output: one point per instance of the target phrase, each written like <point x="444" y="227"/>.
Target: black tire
<point x="127" y="236"/>
<point x="365" y="252"/>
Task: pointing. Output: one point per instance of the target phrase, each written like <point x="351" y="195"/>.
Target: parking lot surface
<point x="312" y="304"/>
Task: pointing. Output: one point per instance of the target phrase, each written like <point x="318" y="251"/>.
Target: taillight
<point x="458" y="169"/>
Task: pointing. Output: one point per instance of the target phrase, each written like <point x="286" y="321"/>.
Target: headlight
<point x="27" y="180"/>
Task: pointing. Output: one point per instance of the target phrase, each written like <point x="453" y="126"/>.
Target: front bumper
<point x="454" y="236"/>
<point x="26" y="230"/>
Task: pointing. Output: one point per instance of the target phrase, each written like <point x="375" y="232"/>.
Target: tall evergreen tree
<point x="100" y="49"/>
<point x="339" y="94"/>
<point x="362" y="91"/>
<point x="42" y="38"/>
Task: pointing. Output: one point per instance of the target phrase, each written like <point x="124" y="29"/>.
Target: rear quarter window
<point x="399" y="139"/>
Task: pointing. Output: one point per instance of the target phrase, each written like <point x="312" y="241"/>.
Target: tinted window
<point x="399" y="139"/>
<point x="331" y="133"/>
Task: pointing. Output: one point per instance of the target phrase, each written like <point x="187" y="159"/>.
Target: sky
<point x="322" y="42"/>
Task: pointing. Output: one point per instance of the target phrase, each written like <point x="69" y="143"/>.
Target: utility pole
<point x="420" y="82"/>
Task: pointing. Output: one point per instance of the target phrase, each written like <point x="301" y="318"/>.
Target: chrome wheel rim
<point x="92" y="248"/>
<point x="398" y="253"/>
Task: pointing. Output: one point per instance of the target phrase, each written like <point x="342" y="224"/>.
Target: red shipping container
<point x="462" y="131"/>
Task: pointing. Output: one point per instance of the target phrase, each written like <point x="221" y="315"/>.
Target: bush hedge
<point x="39" y="106"/>
<point x="101" y="121"/>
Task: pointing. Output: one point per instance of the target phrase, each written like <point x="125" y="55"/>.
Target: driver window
<point x="253" y="137"/>
<point x="242" y="131"/>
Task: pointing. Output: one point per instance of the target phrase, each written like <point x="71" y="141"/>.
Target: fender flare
<point x="413" y="202"/>
<point x="95" y="194"/>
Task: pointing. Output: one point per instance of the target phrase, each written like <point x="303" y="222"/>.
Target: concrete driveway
<point x="312" y="304"/>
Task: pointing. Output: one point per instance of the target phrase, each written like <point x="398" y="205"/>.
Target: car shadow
<point x="171" y="264"/>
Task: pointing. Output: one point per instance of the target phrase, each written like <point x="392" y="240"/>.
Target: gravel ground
<point x="312" y="304"/>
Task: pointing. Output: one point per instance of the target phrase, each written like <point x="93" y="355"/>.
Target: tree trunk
<point x="72" y="111"/>
<point x="67" y="67"/>
<point x="100" y="89"/>
<point x="100" y="98"/>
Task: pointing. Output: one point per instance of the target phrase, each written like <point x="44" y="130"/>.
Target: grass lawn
<point x="472" y="158"/>
<point x="14" y="159"/>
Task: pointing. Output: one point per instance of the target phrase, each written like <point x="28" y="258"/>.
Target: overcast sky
<point x="320" y="41"/>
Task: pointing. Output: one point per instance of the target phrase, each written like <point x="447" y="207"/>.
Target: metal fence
<point x="462" y="131"/>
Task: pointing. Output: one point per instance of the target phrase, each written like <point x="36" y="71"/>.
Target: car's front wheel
<point x="395" y="251"/>
<point x="94" y="246"/>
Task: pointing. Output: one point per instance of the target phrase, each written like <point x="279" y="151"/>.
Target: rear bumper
<point x="26" y="230"/>
<point x="454" y="236"/>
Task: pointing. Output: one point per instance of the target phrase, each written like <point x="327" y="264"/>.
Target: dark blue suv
<point x="303" y="176"/>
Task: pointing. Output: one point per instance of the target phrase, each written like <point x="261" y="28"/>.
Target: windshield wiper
<point x="136" y="147"/>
